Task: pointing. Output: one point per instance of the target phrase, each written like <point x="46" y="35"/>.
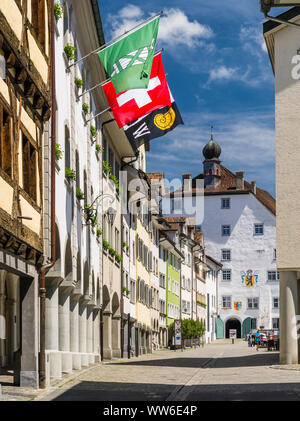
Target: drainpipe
<point x="45" y="268"/>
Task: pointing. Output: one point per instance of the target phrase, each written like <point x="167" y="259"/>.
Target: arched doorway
<point x="233" y="324"/>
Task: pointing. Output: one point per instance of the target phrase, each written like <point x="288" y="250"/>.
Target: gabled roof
<point x="213" y="260"/>
<point x="228" y="186"/>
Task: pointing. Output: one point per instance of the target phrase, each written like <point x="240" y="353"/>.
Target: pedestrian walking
<point x="252" y="339"/>
<point x="257" y="339"/>
<point x="249" y="339"/>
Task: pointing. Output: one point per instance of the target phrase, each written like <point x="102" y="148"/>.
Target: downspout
<point x="45" y="268"/>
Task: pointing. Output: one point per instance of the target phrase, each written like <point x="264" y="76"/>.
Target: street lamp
<point x="111" y="214"/>
<point x="266" y="5"/>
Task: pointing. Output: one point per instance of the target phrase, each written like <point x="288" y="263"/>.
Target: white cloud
<point x="253" y="40"/>
<point x="222" y="72"/>
<point x="175" y="28"/>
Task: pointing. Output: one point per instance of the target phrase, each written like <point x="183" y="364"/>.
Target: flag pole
<point x="101" y="112"/>
<point x="107" y="44"/>
<point x="107" y="80"/>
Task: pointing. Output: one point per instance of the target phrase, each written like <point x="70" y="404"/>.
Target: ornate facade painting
<point x="249" y="278"/>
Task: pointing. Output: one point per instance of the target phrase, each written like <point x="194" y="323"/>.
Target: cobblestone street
<point x="219" y="371"/>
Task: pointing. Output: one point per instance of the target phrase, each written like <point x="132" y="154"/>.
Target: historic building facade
<point x="234" y="212"/>
<point x="25" y="103"/>
<point x="282" y="44"/>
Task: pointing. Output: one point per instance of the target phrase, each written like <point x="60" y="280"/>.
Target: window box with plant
<point x="58" y="10"/>
<point x="98" y="232"/>
<point x="106" y="167"/>
<point x="126" y="291"/>
<point x="85" y="108"/>
<point x="79" y="82"/>
<point x="118" y="257"/>
<point x="58" y="151"/>
<point x="93" y="131"/>
<point x="79" y="194"/>
<point x="125" y="247"/>
<point x="99" y="148"/>
<point x="70" y="174"/>
<point x="70" y="51"/>
<point x="105" y="244"/>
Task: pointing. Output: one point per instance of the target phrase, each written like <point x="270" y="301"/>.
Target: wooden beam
<point x="21" y="249"/>
<point x="30" y="90"/>
<point x="11" y="61"/>
<point x="38" y="102"/>
<point x="46" y="114"/>
<point x="30" y="254"/>
<point x="21" y="76"/>
<point x="9" y="242"/>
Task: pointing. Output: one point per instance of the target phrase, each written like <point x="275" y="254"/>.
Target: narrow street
<point x="219" y="371"/>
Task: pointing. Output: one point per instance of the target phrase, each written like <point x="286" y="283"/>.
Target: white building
<point x="282" y="41"/>
<point x="73" y="285"/>
<point x="239" y="227"/>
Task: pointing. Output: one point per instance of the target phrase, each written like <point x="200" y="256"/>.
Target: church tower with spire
<point x="211" y="164"/>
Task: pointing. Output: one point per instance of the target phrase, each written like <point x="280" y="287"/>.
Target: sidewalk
<point x="15" y="393"/>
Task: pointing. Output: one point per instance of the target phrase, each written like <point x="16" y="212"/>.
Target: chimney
<point x="253" y="186"/>
<point x="187" y="182"/>
<point x="239" y="180"/>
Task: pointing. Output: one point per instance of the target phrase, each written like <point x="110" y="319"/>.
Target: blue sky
<point x="219" y="74"/>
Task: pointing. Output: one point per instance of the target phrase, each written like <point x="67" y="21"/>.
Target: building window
<point x="225" y="203"/>
<point x="274" y="254"/>
<point x="275" y="323"/>
<point x="253" y="323"/>
<point x="258" y="229"/>
<point x="29" y="168"/>
<point x="253" y="303"/>
<point x="132" y="291"/>
<point x="177" y="204"/>
<point x="273" y="275"/>
<point x="38" y="19"/>
<point x="2" y="65"/>
<point x="275" y="302"/>
<point x="226" y="274"/>
<point x="225" y="230"/>
<point x="5" y="141"/>
<point x="162" y="306"/>
<point x="226" y="255"/>
<point x="226" y="301"/>
<point x="67" y="148"/>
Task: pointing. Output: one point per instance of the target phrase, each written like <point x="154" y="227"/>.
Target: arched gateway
<point x="233" y="324"/>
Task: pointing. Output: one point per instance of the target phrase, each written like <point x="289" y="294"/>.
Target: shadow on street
<point x="260" y="358"/>
<point x="104" y="391"/>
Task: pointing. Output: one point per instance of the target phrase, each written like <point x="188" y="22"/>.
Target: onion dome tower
<point x="211" y="164"/>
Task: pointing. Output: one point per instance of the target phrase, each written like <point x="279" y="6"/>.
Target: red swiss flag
<point x="135" y="103"/>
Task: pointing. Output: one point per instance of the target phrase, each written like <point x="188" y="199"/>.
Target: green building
<point x="173" y="266"/>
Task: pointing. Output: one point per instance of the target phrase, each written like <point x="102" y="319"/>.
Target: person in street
<point x="253" y="339"/>
<point x="249" y="339"/>
<point x="257" y="339"/>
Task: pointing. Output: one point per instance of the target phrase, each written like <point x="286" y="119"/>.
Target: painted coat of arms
<point x="237" y="305"/>
<point x="249" y="278"/>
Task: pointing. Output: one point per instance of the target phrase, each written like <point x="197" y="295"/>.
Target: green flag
<point x="128" y="61"/>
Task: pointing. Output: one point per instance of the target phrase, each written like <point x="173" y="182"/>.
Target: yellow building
<point x="24" y="111"/>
